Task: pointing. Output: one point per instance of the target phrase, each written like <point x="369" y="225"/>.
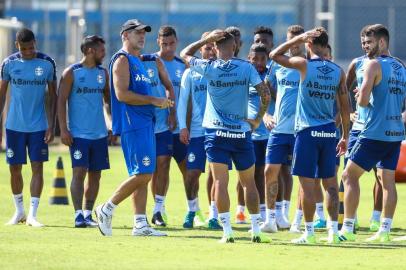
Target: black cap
<point x="134" y="24"/>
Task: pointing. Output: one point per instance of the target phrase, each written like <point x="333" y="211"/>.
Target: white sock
<point x="332" y="225"/>
<point x="163" y="210"/>
<point x="320" y="211"/>
<point x="159" y="202"/>
<point x="262" y="211"/>
<point x="197" y="206"/>
<point x="87" y="213"/>
<point x="108" y="208"/>
<point x="213" y="213"/>
<point x="140" y="221"/>
<point x="19" y="203"/>
<point x="348" y="225"/>
<point x="286" y="206"/>
<point x="255" y="223"/>
<point x="225" y="221"/>
<point x="78" y="212"/>
<point x="298" y="217"/>
<point x="309" y="228"/>
<point x="33" y="207"/>
<point x="278" y="209"/>
<point x="376" y="215"/>
<point x="192" y="205"/>
<point x="240" y="208"/>
<point x="270" y="216"/>
<point x="386" y="224"/>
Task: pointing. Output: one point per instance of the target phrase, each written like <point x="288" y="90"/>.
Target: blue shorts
<point x="314" y="155"/>
<point x="17" y="144"/>
<point x="279" y="149"/>
<point x="139" y="150"/>
<point x="223" y="145"/>
<point x="337" y="156"/>
<point x="91" y="154"/>
<point x="351" y="142"/>
<point x="367" y="153"/>
<point x="179" y="149"/>
<point x="196" y="156"/>
<point x="164" y="143"/>
<point x="259" y="150"/>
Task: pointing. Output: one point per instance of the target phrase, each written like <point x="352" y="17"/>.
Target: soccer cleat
<point x="17" y="218"/>
<point x="333" y="238"/>
<point x="80" y="221"/>
<point x="282" y="223"/>
<point x="260" y="238"/>
<point x="214" y="224"/>
<point x="147" y="231"/>
<point x="158" y="220"/>
<point x="90" y="222"/>
<point x="103" y="221"/>
<point x="190" y="216"/>
<point x="320" y="224"/>
<point x="227" y="239"/>
<point x="346" y="237"/>
<point x="240" y="218"/>
<point x="269" y="227"/>
<point x="382" y="237"/>
<point x="374" y="226"/>
<point x="199" y="219"/>
<point x="305" y="240"/>
<point x="32" y="221"/>
<point x="295" y="228"/>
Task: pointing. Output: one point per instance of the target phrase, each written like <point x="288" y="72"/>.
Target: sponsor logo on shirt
<point x="88" y="90"/>
<point x="141" y="77"/>
<point x="231" y="135"/>
<point x="22" y="82"/>
<point x="323" y="134"/>
<point x="220" y="83"/>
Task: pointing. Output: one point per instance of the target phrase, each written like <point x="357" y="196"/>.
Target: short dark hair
<point x="258" y="48"/>
<point x="321" y="40"/>
<point x="25" y="35"/>
<point x="379" y="31"/>
<point x="166" y="31"/>
<point x="364" y="30"/>
<point x="226" y="38"/>
<point x="91" y="42"/>
<point x="263" y="30"/>
<point x="234" y="30"/>
<point x="296" y="29"/>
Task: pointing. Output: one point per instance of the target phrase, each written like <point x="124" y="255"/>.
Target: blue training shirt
<point x="86" y="117"/>
<point x="228" y="88"/>
<point x="28" y="81"/>
<point x="126" y="117"/>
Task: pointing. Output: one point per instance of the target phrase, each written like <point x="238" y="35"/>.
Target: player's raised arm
<point x="372" y="76"/>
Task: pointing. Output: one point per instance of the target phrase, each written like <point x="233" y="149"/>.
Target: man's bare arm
<point x="371" y="77"/>
<point x="65" y="88"/>
<point x="264" y="93"/>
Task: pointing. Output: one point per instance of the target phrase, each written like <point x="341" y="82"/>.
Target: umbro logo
<point x="396" y="66"/>
<point x="228" y="67"/>
<point x="325" y="69"/>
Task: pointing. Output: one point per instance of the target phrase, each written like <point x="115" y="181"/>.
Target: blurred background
<point x="60" y="24"/>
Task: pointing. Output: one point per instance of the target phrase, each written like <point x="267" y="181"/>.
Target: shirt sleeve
<point x="184" y="94"/>
<point x="5" y="73"/>
<point x="52" y="73"/>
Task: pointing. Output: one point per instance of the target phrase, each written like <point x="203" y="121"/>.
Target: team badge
<point x="10" y="153"/>
<point x="77" y="155"/>
<point x="178" y="73"/>
<point x="39" y="71"/>
<point x="191" y="158"/>
<point x="150" y="73"/>
<point x="100" y="79"/>
<point x="146" y="161"/>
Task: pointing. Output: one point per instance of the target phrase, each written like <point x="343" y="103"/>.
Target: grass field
<point x="60" y="246"/>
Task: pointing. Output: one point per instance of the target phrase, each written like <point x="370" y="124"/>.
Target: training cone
<point x="59" y="194"/>
<point x="341" y="207"/>
<point x="400" y="173"/>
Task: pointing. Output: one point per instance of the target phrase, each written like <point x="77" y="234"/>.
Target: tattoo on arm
<point x="264" y="93"/>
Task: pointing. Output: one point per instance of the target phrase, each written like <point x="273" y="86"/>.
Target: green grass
<point x="60" y="246"/>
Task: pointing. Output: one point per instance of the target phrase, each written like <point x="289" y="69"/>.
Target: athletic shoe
<point x="240" y="218"/>
<point x="333" y="238"/>
<point x="80" y="221"/>
<point x="227" y="239"/>
<point x="32" y="221"/>
<point x="305" y="240"/>
<point x="346" y="237"/>
<point x="320" y="224"/>
<point x="17" y="218"/>
<point x="282" y="223"/>
<point x="382" y="237"/>
<point x="260" y="238"/>
<point x="147" y="231"/>
<point x="190" y="216"/>
<point x="374" y="226"/>
<point x="400" y="238"/>
<point x="158" y="220"/>
<point x="295" y="228"/>
<point x="214" y="224"/>
<point x="90" y="222"/>
<point x="269" y="227"/>
<point x="199" y="219"/>
<point x="103" y="221"/>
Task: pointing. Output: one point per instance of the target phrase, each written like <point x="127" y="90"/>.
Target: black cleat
<point x="158" y="220"/>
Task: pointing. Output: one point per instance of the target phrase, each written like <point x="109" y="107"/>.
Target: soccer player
<point x="321" y="84"/>
<point x="227" y="127"/>
<point x="194" y="88"/>
<point x="133" y="106"/>
<point x="84" y="86"/>
<point x="29" y="73"/>
<point x="382" y="93"/>
<point x="264" y="35"/>
<point x="167" y="42"/>
<point x="281" y="139"/>
<point x="236" y="32"/>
